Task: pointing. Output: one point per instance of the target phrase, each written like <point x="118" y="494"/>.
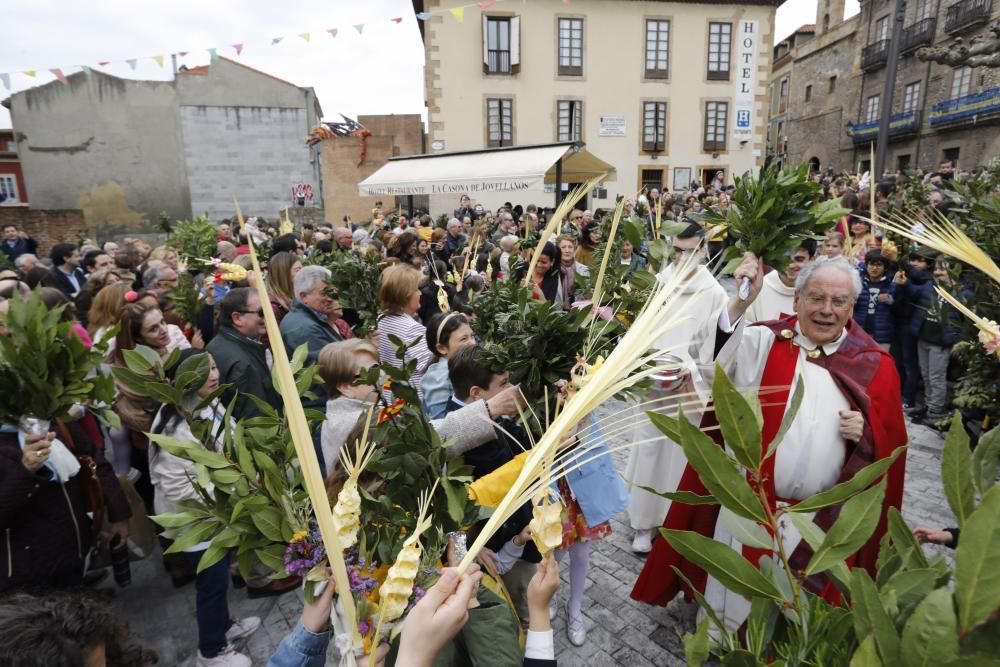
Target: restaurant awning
<point x="493" y="170"/>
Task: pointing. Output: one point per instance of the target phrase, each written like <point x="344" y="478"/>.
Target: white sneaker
<point x="642" y="543"/>
<point x="242" y="628"/>
<point x="575" y="628"/>
<point x="227" y="657"/>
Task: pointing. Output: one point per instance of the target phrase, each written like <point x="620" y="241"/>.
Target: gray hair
<point x="305" y="279"/>
<point x="152" y="276"/>
<point x="24" y="259"/>
<point x="840" y="263"/>
<point x="453" y="222"/>
<point x="342" y="231"/>
<point x="505" y="216"/>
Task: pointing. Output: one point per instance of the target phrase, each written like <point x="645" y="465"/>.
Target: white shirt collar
<point x="806" y="344"/>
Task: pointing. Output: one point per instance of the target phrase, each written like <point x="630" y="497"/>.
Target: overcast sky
<point x="379" y="71"/>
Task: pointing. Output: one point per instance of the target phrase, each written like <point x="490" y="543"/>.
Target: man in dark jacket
<point x="67" y="274"/>
<point x="239" y="354"/>
<point x="16" y="243"/>
<point x="308" y="321"/>
<point x="47" y="531"/>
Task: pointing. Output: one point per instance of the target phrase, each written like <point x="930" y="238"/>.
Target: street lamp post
<point x="887" y="92"/>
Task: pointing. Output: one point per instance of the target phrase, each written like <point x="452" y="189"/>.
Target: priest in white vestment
<point x="657" y="462"/>
<point x="777" y="293"/>
<point x="850" y="416"/>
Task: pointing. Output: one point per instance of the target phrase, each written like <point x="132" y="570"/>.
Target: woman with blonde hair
<point x="281" y="270"/>
<point x="165" y="254"/>
<point x="399" y="299"/>
<point x="105" y="311"/>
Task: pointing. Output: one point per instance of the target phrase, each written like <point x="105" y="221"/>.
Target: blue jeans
<point x="212" y="604"/>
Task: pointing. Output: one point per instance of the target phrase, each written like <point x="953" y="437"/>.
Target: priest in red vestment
<point x="850" y="415"/>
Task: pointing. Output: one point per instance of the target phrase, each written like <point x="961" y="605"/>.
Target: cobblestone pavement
<point x="619" y="630"/>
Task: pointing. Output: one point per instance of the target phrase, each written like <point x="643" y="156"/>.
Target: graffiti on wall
<point x="301" y="193"/>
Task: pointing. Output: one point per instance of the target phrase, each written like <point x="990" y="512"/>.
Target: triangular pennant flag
<point x="333" y="32"/>
<point x="30" y="72"/>
<point x="458" y="13"/>
<point x="159" y="60"/>
<point x="58" y="73"/>
<point x="275" y="40"/>
<point x="132" y="62"/>
<point x="487" y="4"/>
<point x="212" y="55"/>
<point x="182" y="53"/>
<point x="398" y="19"/>
<point x="359" y="27"/>
<point x="86" y="70"/>
<point x="304" y="35"/>
<point x="102" y="63"/>
<point x="423" y="16"/>
<point x="6" y="80"/>
<point x="238" y="48"/>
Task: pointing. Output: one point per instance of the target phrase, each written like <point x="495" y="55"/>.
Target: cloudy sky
<point x="377" y="71"/>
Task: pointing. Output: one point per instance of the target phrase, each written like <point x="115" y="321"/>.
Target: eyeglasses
<point x="259" y="312"/>
<point x="838" y="302"/>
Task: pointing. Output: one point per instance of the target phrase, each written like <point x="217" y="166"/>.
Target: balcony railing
<point x="966" y="13"/>
<point x="899" y="125"/>
<point x="918" y="34"/>
<point x="498" y="62"/>
<point x="875" y="54"/>
<point x="967" y="109"/>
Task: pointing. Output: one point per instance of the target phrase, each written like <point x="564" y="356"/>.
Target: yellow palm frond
<point x="555" y="222"/>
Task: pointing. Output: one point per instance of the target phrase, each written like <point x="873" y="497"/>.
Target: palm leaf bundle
<point x="302" y="438"/>
<point x="771" y="214"/>
<point x="628" y="363"/>
<point x="555" y="222"/>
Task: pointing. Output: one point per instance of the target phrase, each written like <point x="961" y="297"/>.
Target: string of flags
<point x="457" y="12"/>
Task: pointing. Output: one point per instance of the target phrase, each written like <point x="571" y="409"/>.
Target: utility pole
<point x="887" y="91"/>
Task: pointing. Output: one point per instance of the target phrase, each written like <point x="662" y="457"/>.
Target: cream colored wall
<point x="612" y="85"/>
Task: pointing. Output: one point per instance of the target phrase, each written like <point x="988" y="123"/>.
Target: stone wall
<point x="48" y="227"/>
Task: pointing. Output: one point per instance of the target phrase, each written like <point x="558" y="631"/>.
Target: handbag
<point x="90" y="484"/>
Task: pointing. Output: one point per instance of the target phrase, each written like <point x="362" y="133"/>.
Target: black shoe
<point x="238" y="581"/>
<point x="274" y="587"/>
<point x="931" y="422"/>
<point x="182" y="580"/>
<point x="95" y="577"/>
<point x="914" y="412"/>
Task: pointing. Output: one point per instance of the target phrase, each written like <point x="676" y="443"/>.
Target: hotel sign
<point x="747" y="36"/>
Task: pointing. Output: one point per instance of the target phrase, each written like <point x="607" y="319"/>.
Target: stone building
<point x="185" y="146"/>
<point x="12" y="190"/>
<point x="666" y="92"/>
<point x="836" y="80"/>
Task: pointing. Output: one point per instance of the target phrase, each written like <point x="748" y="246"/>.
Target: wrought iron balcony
<point x="918" y="34"/>
<point x="899" y="125"/>
<point x="966" y="13"/>
<point x="968" y="109"/>
<point x="875" y="54"/>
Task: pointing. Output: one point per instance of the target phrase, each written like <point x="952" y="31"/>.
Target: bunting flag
<point x="102" y="63"/>
<point x="458" y="13"/>
<point x="58" y="73"/>
<point x="182" y="53"/>
<point x="6" y="80"/>
<point x="423" y="16"/>
<point x="132" y="62"/>
<point x="332" y="31"/>
<point x="238" y="48"/>
<point x="30" y="72"/>
<point x="275" y="40"/>
<point x="487" y="4"/>
<point x="359" y="27"/>
<point x="159" y="60"/>
<point x="397" y="20"/>
<point x="212" y="55"/>
<point x="304" y="35"/>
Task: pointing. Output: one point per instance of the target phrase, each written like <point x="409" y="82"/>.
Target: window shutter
<point x="515" y="42"/>
<point x="486" y="43"/>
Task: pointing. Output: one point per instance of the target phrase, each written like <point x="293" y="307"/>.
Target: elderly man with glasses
<point x="850" y="416"/>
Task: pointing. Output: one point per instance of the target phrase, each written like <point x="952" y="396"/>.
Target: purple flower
<point x="364" y="627"/>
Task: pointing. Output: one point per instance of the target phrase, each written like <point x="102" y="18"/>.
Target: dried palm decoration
<point x="302" y="439"/>
<point x="630" y="361"/>
<point x="395" y="592"/>
<point x="347" y="511"/>
<point x="989" y="331"/>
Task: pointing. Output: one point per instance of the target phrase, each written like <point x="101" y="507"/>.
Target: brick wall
<point x="48" y="227"/>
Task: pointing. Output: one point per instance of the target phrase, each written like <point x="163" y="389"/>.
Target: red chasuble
<point x="866" y="376"/>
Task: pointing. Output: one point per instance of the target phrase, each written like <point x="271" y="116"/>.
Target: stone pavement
<point x="619" y="630"/>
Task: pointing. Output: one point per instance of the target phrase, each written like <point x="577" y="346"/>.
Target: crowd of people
<point x="852" y="288"/>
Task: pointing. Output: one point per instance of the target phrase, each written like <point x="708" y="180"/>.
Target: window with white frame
<point x="871" y="109"/>
<point x="499" y="122"/>
<point x="570" y="47"/>
<point x="570" y="120"/>
<point x="719" y="46"/>
<point x="657" y="48"/>
<point x="654" y="127"/>
<point x="911" y="97"/>
<point x="961" y="81"/>
<point x="923" y="10"/>
<point x="716" y="119"/>
<point x="881" y="29"/>
<point x="8" y="188"/>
